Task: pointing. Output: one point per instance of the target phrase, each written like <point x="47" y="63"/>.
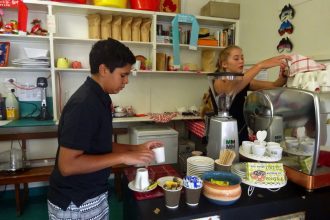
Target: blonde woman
<point x="231" y="59"/>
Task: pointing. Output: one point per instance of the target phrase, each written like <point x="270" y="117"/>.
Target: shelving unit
<point x="71" y="40"/>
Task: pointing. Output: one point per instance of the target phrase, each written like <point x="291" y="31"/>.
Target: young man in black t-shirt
<point x="78" y="184"/>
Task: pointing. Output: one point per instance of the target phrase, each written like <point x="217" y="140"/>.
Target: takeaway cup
<point x="193" y="187"/>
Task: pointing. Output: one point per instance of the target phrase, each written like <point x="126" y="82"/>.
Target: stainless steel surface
<point x="297" y="109"/>
<point x="223" y="134"/>
<point x="222" y="128"/>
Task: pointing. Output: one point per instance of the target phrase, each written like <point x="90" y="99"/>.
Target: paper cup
<point x="193" y="187"/>
<point x="159" y="154"/>
<point x="221" y="167"/>
<point x="172" y="198"/>
<point x="192" y="196"/>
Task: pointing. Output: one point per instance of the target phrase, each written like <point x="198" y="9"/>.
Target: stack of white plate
<point x="197" y="165"/>
<point x="42" y="62"/>
<point x="239" y="169"/>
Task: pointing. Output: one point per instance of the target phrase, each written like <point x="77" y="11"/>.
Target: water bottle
<point x="12" y="106"/>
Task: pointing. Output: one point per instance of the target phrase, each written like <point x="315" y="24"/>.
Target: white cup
<point x="273" y="144"/>
<point x="246" y="146"/>
<point x="137" y="65"/>
<point x="159" y="154"/>
<point x="312" y="86"/>
<point x="257" y="142"/>
<point x="258" y="149"/>
<point x="275" y="151"/>
<point x="290" y="138"/>
<point x="291" y="144"/>
<point x="325" y="88"/>
<point x="306" y="147"/>
<point x="193" y="109"/>
<point x="141" y="179"/>
<point x="118" y="109"/>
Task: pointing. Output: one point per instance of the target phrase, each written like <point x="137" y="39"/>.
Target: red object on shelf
<point x="155" y="172"/>
<point x="71" y="1"/>
<point x="196" y="127"/>
<point x="22" y="12"/>
<point x="149" y="5"/>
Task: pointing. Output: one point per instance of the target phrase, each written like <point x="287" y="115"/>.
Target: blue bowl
<point x="221" y="195"/>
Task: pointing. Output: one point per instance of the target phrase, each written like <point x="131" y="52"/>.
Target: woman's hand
<point x="274" y="61"/>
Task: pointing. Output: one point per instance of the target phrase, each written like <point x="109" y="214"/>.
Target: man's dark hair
<point x="111" y="53"/>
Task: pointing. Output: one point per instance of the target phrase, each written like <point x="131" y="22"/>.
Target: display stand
<point x="264" y="158"/>
<point x="298" y="152"/>
<point x="252" y="185"/>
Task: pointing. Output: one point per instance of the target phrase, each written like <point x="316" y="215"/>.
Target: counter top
<point x="33" y="125"/>
<point x="262" y="204"/>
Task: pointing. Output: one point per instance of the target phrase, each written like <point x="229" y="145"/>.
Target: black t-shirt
<point x="236" y="110"/>
<point x="85" y="124"/>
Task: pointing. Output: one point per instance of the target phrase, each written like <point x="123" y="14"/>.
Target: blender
<point x="222" y="128"/>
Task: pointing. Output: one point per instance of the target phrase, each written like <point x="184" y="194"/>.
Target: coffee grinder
<point x="222" y="128"/>
<point x="43" y="84"/>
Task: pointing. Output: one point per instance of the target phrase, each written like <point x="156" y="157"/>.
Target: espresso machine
<point x="306" y="156"/>
<point x="259" y="115"/>
<point x="221" y="128"/>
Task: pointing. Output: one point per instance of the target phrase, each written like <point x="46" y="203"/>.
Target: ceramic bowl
<point x="221" y="195"/>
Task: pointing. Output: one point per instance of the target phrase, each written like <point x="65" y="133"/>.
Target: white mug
<point x="312" y="86"/>
<point x="258" y="149"/>
<point x="323" y="78"/>
<point x="141" y="179"/>
<point x="246" y="146"/>
<point x="275" y="151"/>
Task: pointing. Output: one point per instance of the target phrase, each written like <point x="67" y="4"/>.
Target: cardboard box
<point x="221" y="10"/>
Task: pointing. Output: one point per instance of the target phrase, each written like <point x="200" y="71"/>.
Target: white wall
<point x="259" y="24"/>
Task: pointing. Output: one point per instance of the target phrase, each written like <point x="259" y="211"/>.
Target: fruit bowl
<point x="221" y="188"/>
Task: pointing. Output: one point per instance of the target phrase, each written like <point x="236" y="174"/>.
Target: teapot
<point x="62" y="62"/>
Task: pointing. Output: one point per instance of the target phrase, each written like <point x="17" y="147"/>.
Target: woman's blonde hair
<point x="223" y="56"/>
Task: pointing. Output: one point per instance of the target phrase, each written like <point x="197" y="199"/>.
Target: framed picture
<point x="173" y="6"/>
<point x="4" y="53"/>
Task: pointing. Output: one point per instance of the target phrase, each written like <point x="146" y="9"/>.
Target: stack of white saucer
<point x="197" y="165"/>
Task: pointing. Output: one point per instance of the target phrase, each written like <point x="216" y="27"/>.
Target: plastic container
<point x="12" y="106"/>
<point x="111" y="3"/>
<point x="149" y="5"/>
